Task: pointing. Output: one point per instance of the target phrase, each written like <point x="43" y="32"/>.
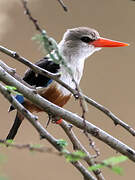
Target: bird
<point x="75" y="47"/>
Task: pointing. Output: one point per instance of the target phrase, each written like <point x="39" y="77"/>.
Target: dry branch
<point x="42" y="131"/>
<point x="78" y="146"/>
<point x="90" y="101"/>
<point x="68" y="116"/>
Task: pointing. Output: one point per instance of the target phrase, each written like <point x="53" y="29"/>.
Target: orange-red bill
<point x="102" y="42"/>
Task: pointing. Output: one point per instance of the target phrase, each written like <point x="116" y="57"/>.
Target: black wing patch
<point x="36" y="79"/>
<point x="39" y="80"/>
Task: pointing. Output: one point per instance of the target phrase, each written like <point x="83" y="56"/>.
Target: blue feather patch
<point x="20" y="98"/>
<point x="49" y="82"/>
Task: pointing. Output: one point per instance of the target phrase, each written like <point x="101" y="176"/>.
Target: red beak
<point x="102" y="42"/>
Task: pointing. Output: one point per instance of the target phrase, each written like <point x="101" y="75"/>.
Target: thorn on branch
<point x="130" y="151"/>
<point x="34" y="91"/>
<point x="49" y="120"/>
<point x="70" y="126"/>
<point x="76" y="96"/>
<point x="42" y="137"/>
<point x="115" y="123"/>
<point x="95" y="132"/>
<point x="15" y="55"/>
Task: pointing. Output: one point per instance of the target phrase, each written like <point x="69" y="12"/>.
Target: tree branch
<point x="68" y="116"/>
<point x="78" y="146"/>
<point x="90" y="101"/>
<point x="42" y="131"/>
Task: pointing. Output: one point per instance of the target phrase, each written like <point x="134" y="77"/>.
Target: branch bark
<point x="90" y="101"/>
<point x="68" y="116"/>
<point x="43" y="132"/>
<point x="78" y="146"/>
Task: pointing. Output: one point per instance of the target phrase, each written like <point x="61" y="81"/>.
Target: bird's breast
<point x="52" y="94"/>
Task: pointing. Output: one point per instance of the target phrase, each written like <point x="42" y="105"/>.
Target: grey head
<point x="77" y="43"/>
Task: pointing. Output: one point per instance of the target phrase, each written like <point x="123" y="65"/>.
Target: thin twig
<point x="30" y="147"/>
<point x="84" y="109"/>
<point x="107" y="112"/>
<point x="27" y="12"/>
<point x="63" y="5"/>
<point x="68" y="116"/>
<point x="78" y="146"/>
<point x="92" y="145"/>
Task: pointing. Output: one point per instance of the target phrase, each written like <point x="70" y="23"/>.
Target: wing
<point x="38" y="80"/>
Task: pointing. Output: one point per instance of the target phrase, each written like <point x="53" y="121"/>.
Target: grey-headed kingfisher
<point x="76" y="45"/>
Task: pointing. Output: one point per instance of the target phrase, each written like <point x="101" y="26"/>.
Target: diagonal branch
<point x="68" y="116"/>
<point x="32" y="66"/>
<point x="42" y="131"/>
<point x="78" y="146"/>
<point x="90" y="101"/>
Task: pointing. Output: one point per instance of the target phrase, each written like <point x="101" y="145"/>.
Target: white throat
<point x="74" y="59"/>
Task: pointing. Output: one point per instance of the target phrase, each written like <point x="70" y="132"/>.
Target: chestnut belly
<point x="53" y="95"/>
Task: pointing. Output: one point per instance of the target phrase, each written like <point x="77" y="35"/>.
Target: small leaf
<point x="81" y="154"/>
<point x="13" y="90"/>
<point x="38" y="146"/>
<point x="62" y="143"/>
<point x="117" y="170"/>
<point x="37" y="37"/>
<point x="75" y="156"/>
<point x="95" y="167"/>
<point x="110" y="162"/>
<point x="9" y="141"/>
<point x="115" y="160"/>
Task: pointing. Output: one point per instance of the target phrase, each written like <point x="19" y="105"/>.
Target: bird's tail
<point x="17" y="122"/>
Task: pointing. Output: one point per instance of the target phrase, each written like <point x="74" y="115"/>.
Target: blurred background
<point x="108" y="78"/>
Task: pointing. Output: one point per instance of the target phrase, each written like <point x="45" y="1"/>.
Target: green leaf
<point x="95" y="167"/>
<point x="110" y="162"/>
<point x="75" y="156"/>
<point x="13" y="90"/>
<point x="9" y="141"/>
<point x="37" y="146"/>
<point x="3" y="144"/>
<point x="38" y="38"/>
<point x="115" y="160"/>
<point x="117" y="170"/>
<point x="62" y="143"/>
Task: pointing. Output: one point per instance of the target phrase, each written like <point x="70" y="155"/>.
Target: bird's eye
<point x="86" y="39"/>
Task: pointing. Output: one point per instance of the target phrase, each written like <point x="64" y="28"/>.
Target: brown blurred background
<point x="108" y="78"/>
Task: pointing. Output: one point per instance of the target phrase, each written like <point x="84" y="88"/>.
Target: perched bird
<point x="76" y="45"/>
